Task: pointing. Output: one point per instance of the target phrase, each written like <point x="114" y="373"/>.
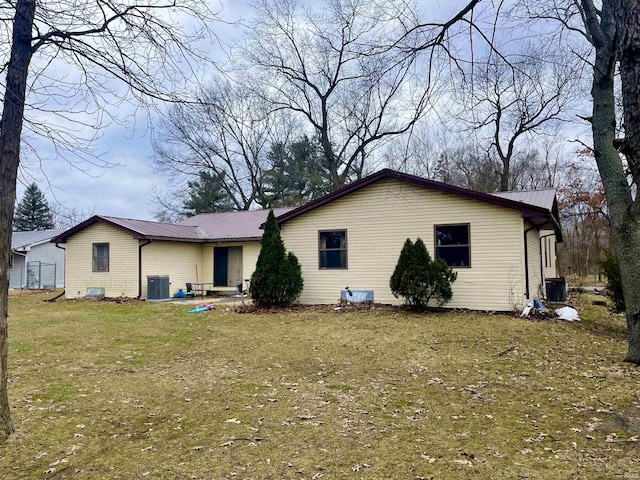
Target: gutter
<point x="140" y="267"/>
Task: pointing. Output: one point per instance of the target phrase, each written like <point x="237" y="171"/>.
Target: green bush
<point x="277" y="280"/>
<point x="611" y="268"/>
<point x="419" y="279"/>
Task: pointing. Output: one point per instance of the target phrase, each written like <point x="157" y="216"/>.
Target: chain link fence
<point x="34" y="276"/>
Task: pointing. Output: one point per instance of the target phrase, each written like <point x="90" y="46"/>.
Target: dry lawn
<point x="134" y="390"/>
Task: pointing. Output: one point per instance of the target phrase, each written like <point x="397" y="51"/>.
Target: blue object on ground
<point x="203" y="308"/>
<point x="537" y="304"/>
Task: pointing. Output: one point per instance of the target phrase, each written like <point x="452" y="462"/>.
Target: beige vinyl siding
<point x="536" y="287"/>
<point x="178" y="260"/>
<point x="378" y="219"/>
<point x="250" y="252"/>
<point x="122" y="277"/>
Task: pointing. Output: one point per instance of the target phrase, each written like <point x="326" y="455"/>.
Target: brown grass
<point x="135" y="390"/>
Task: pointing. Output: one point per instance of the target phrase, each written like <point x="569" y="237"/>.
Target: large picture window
<point x="100" y="257"/>
<point x="333" y="249"/>
<point x="453" y="245"/>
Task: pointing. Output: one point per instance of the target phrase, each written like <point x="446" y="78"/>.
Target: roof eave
<point x="62" y="238"/>
<point x="422" y="182"/>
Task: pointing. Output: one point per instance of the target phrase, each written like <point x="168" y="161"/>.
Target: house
<point x="353" y="237"/>
<point x="502" y="246"/>
<point x="34" y="262"/>
<point x="118" y="255"/>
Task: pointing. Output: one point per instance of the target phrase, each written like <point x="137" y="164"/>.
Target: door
<point x="220" y="266"/>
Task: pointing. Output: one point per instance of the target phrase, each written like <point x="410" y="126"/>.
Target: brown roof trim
<point x="526" y="209"/>
<point x="232" y="240"/>
<point x="62" y="238"/>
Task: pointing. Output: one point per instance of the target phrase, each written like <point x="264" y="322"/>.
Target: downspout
<point x="65" y="265"/>
<point x="140" y="267"/>
<point x="526" y="254"/>
<point x="541" y="263"/>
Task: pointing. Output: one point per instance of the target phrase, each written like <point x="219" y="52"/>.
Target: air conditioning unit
<point x="157" y="287"/>
<point x="556" y="289"/>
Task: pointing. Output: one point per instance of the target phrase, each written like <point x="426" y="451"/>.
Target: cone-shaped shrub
<point x="277" y="280"/>
<point x="418" y="278"/>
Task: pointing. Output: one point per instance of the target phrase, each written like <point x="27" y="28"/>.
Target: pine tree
<point x="277" y="280"/>
<point x="418" y="278"/>
<point x="207" y="194"/>
<point x="399" y="282"/>
<point x="33" y="212"/>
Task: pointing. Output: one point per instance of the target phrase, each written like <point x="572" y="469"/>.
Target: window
<point x="546" y="252"/>
<point x="453" y="245"/>
<point x="10" y="260"/>
<point x="333" y="249"/>
<point x="100" y="257"/>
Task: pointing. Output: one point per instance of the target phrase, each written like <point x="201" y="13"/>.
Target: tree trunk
<point x="624" y="213"/>
<point x="10" y="131"/>
<point x="628" y="29"/>
<point x="504" y="174"/>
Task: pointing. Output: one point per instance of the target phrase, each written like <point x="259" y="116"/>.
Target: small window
<point x="100" y="257"/>
<point x="546" y="252"/>
<point x="333" y="249"/>
<point x="453" y="245"/>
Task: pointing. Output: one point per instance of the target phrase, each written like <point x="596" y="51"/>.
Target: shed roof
<point x="24" y="240"/>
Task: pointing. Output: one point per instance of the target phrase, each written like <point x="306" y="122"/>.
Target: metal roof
<point x="147" y="228"/>
<point x="205" y="227"/>
<point x="24" y="240"/>
<point x="243" y="225"/>
<point x="541" y="198"/>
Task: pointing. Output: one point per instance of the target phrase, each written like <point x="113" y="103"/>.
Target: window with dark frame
<point x="546" y="252"/>
<point x="453" y="244"/>
<point x="332" y="249"/>
<point x="100" y="257"/>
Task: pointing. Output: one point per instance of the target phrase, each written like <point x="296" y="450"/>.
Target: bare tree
<point x="416" y="152"/>
<point x="139" y="43"/>
<point x="228" y="133"/>
<point x="333" y="65"/>
<point x="612" y="30"/>
<point x="465" y="160"/>
<point x="66" y="217"/>
<point x="583" y="214"/>
<point x="512" y="102"/>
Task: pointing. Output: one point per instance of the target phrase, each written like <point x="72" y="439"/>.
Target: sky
<point x="125" y="190"/>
